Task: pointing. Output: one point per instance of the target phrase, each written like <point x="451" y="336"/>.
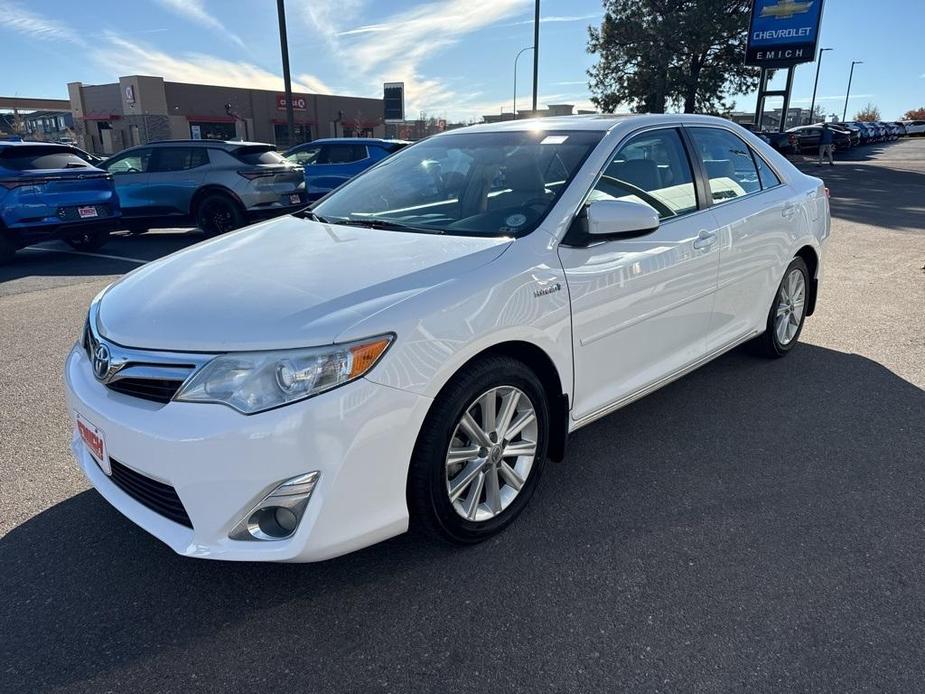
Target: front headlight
<point x="252" y="382"/>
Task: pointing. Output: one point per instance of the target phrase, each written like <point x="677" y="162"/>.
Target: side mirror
<point x="620" y="219"/>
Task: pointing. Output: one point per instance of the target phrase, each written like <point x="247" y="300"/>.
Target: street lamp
<point x="812" y="104"/>
<point x="844" y="114"/>
<point x="287" y="79"/>
<point x="536" y="51"/>
<point x="521" y="52"/>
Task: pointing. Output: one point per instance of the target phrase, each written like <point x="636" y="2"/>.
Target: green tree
<point x="868" y="113"/>
<point x="683" y="53"/>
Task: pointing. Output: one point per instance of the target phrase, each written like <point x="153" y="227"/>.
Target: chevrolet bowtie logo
<point x="785" y="9"/>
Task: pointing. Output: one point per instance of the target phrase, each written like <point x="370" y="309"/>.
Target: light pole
<point x="844" y="114"/>
<point x="536" y="52"/>
<point x="287" y="78"/>
<point x="521" y="52"/>
<point x="812" y="104"/>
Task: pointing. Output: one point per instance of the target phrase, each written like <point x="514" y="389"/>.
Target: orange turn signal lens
<point x="366" y="355"/>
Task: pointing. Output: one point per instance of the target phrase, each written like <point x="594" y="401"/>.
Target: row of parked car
<point x="845" y="135"/>
<point x="58" y="191"/>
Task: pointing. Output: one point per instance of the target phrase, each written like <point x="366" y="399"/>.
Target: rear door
<point x="754" y="214"/>
<point x="130" y="171"/>
<point x="176" y="173"/>
<point x="337" y="163"/>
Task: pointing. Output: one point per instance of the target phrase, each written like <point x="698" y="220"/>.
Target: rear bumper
<point x="21" y="237"/>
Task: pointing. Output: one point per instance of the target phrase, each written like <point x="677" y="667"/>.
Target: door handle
<point x="705" y="239"/>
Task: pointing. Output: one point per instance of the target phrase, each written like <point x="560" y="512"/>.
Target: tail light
<point x="252" y="174"/>
<point x="828" y="193"/>
<point x="10" y="183"/>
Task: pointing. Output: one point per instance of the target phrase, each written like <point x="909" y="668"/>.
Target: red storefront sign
<point x="299" y="103"/>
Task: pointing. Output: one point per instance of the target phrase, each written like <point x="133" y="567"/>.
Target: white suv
<point x="415" y="348"/>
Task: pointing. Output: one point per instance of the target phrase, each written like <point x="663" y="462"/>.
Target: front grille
<point x="156" y="389"/>
<point x="157" y="496"/>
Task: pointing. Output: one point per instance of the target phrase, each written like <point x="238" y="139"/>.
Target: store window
<point x="212" y="131"/>
<point x="303" y="133"/>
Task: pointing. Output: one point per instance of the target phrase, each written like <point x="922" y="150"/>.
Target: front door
<point x="641" y="308"/>
<point x="176" y="173"/>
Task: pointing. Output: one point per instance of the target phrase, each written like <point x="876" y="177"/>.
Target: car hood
<point x="288" y="282"/>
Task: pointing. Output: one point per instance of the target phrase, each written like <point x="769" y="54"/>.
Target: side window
<point x="309" y="155"/>
<point x="652" y="168"/>
<point x="135" y="161"/>
<point x="766" y="175"/>
<point x="345" y="154"/>
<point x="728" y="163"/>
<point x="179" y="158"/>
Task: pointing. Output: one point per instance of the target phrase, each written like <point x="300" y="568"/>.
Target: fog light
<point x="278" y="515"/>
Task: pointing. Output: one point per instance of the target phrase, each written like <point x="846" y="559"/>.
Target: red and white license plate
<point x="95" y="442"/>
<point x="295" y="199"/>
<point x="87" y="212"/>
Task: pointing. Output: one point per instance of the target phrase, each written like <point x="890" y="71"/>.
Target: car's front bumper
<point x="221" y="463"/>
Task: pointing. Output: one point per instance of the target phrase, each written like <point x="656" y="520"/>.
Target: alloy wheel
<point x="491" y="453"/>
<point x="791" y="301"/>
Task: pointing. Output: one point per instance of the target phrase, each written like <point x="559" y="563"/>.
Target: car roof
<point x="222" y="144"/>
<point x="600" y="122"/>
<point x="353" y="141"/>
<point x="31" y="143"/>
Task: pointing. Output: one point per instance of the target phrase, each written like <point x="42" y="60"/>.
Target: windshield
<point x="471" y="184"/>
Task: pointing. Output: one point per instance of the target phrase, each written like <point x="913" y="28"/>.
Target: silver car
<point x="216" y="185"/>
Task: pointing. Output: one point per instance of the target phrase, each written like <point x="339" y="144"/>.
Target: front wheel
<point x="480" y="452"/>
<point x="88" y="240"/>
<point x="787" y="314"/>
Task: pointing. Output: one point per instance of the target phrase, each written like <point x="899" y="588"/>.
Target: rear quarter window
<point x="258" y="155"/>
<point x="38" y="158"/>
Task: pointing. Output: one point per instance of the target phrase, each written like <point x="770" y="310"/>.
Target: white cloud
<point x="397" y="48"/>
<point x="16" y="17"/>
<point x="196" y="68"/>
<point x="195" y="11"/>
<point x="557" y="19"/>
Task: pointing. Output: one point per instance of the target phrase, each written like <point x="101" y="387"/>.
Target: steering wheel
<point x="647" y="198"/>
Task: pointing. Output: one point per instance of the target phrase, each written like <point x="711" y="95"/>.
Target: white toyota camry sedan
<point x="412" y="350"/>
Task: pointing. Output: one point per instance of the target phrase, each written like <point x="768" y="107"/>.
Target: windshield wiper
<point x="308" y="213"/>
<point x="386" y="224"/>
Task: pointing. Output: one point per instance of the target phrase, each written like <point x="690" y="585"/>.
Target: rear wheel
<point x="88" y="240"/>
<point x="7" y="249"/>
<point x="218" y="213"/>
<point x="480" y="452"/>
<point x="787" y="314"/>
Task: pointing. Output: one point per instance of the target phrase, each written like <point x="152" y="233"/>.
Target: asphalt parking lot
<point x="754" y="526"/>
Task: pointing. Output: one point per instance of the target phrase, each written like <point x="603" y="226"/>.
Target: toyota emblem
<point x="101" y="361"/>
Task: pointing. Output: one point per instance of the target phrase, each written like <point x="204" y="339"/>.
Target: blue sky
<point x="455" y="56"/>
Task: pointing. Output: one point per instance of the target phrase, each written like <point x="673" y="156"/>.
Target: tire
<point x="430" y="474"/>
<point x="218" y="213"/>
<point x="7" y="249"/>
<point x="88" y="240"/>
<point x="775" y="341"/>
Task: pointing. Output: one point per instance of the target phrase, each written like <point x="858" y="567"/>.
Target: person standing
<point x="826" y="145"/>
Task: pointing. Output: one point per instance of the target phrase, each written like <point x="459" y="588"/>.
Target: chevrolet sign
<point x="783" y="32"/>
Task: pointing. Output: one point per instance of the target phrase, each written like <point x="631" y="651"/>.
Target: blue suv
<point x="48" y="191"/>
<point x="330" y="162"/>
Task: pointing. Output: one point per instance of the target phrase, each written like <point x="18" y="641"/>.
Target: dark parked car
<point x="785" y="143"/>
<point x="808" y="137"/>
<point x="330" y="162"/>
<point x="217" y="185"/>
<point x="48" y="191"/>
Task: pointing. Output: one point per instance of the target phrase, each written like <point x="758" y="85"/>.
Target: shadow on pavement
<point x="756" y="524"/>
<point x="46" y="260"/>
<point x="891" y="198"/>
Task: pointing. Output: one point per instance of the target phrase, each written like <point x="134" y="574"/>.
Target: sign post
<point x="781" y="34"/>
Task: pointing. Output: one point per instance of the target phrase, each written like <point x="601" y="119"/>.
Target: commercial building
<point x="548" y="112"/>
<point x="140" y="109"/>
